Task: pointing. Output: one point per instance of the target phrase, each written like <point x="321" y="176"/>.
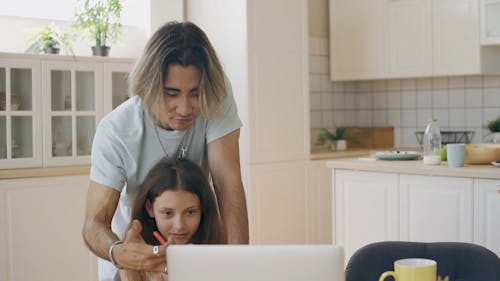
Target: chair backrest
<point x="460" y="261"/>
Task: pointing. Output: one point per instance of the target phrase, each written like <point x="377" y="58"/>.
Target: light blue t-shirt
<point x="126" y="146"/>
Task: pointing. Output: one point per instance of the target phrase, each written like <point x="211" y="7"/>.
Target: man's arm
<point x="98" y="236"/>
<point x="224" y="162"/>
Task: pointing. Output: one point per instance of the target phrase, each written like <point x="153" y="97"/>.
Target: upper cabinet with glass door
<point x="116" y="84"/>
<point x="50" y="106"/>
<point x="72" y="108"/>
<point x="490" y="22"/>
<point x="77" y="94"/>
<point x="20" y="109"/>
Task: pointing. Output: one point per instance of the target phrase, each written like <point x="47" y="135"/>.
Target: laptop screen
<point x="255" y="263"/>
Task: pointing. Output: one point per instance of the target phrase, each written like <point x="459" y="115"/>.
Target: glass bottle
<point x="432" y="143"/>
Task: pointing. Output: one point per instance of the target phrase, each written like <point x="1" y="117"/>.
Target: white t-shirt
<point x="126" y="146"/>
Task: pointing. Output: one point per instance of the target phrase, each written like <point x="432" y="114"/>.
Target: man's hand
<point x="135" y="254"/>
<point x="224" y="162"/>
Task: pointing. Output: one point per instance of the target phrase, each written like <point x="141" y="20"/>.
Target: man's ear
<point x="149" y="209"/>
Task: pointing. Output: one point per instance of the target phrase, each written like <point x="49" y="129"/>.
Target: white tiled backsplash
<point x="458" y="102"/>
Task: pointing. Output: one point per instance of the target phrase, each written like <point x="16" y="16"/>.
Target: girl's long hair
<point x="174" y="175"/>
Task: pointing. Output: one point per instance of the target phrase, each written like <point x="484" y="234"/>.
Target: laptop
<point x="255" y="263"/>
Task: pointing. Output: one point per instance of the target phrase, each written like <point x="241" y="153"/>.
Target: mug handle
<point x="387" y="274"/>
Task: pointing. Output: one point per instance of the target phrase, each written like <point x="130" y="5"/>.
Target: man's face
<point x="181" y="87"/>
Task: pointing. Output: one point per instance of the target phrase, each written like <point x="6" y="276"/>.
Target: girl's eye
<point x="195" y="93"/>
<point x="191" y="212"/>
<point x="168" y="213"/>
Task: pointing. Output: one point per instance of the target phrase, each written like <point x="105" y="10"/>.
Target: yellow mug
<point x="415" y="269"/>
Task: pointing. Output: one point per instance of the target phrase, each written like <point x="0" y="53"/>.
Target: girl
<point x="176" y="201"/>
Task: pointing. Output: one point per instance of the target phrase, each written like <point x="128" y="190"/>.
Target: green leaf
<point x="50" y="36"/>
<point x="99" y="19"/>
<point x="494" y="125"/>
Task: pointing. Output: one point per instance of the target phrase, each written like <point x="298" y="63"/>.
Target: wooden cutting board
<point x="373" y="137"/>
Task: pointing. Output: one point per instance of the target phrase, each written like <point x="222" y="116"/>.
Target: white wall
<point x="228" y="36"/>
<point x="139" y="18"/>
<point x="165" y="10"/>
<point x="130" y="45"/>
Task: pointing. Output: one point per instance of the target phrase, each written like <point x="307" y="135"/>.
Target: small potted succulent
<point x="49" y="40"/>
<point x="100" y="21"/>
<point x="338" y="139"/>
<point x="494" y="127"/>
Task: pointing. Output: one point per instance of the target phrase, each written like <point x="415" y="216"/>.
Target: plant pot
<point x="51" y="50"/>
<point x="496" y="137"/>
<point x="341" y="145"/>
<point x="102" y="51"/>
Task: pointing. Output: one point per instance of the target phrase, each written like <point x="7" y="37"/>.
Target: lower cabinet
<point x="277" y="209"/>
<point x="487" y="214"/>
<point x="319" y="187"/>
<point x="435" y="208"/>
<point x="41" y="221"/>
<point x="290" y="203"/>
<point x="372" y="206"/>
<point x="366" y="209"/>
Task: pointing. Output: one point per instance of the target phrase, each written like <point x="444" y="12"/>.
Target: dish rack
<point x="449" y="137"/>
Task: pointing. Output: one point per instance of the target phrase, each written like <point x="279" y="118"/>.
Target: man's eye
<point x="171" y="93"/>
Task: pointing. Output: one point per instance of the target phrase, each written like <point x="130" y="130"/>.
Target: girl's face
<point x="177" y="215"/>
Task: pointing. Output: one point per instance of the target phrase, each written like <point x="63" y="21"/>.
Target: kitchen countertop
<point x="326" y="153"/>
<point x="44" y="172"/>
<point x="415" y="167"/>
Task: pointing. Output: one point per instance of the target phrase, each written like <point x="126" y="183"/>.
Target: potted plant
<point x="494" y="127"/>
<point x="100" y="21"/>
<point x="49" y="40"/>
<point x="338" y="139"/>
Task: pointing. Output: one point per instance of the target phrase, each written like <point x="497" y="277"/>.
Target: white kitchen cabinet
<point x="319" y="191"/>
<point x="291" y="203"/>
<point x="278" y="81"/>
<point x="434" y="209"/>
<point x="54" y="104"/>
<point x="378" y="206"/>
<point x="278" y="204"/>
<point x="20" y="111"/>
<point x="277" y="75"/>
<point x="490" y="22"/>
<point x="358" y="39"/>
<point x="115" y="85"/>
<point x="366" y="208"/>
<point x="72" y="106"/>
<point x="456" y="46"/>
<point x="487" y="214"/>
<point x="409" y="30"/>
<point x="41" y="221"/>
<point x="424" y="38"/>
<point x="265" y="54"/>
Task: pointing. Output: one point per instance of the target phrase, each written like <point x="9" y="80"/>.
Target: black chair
<point x="460" y="261"/>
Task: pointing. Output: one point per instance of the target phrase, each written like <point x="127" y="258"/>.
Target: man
<point x="182" y="107"/>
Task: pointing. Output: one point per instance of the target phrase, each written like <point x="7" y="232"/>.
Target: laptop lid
<point x="255" y="263"/>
